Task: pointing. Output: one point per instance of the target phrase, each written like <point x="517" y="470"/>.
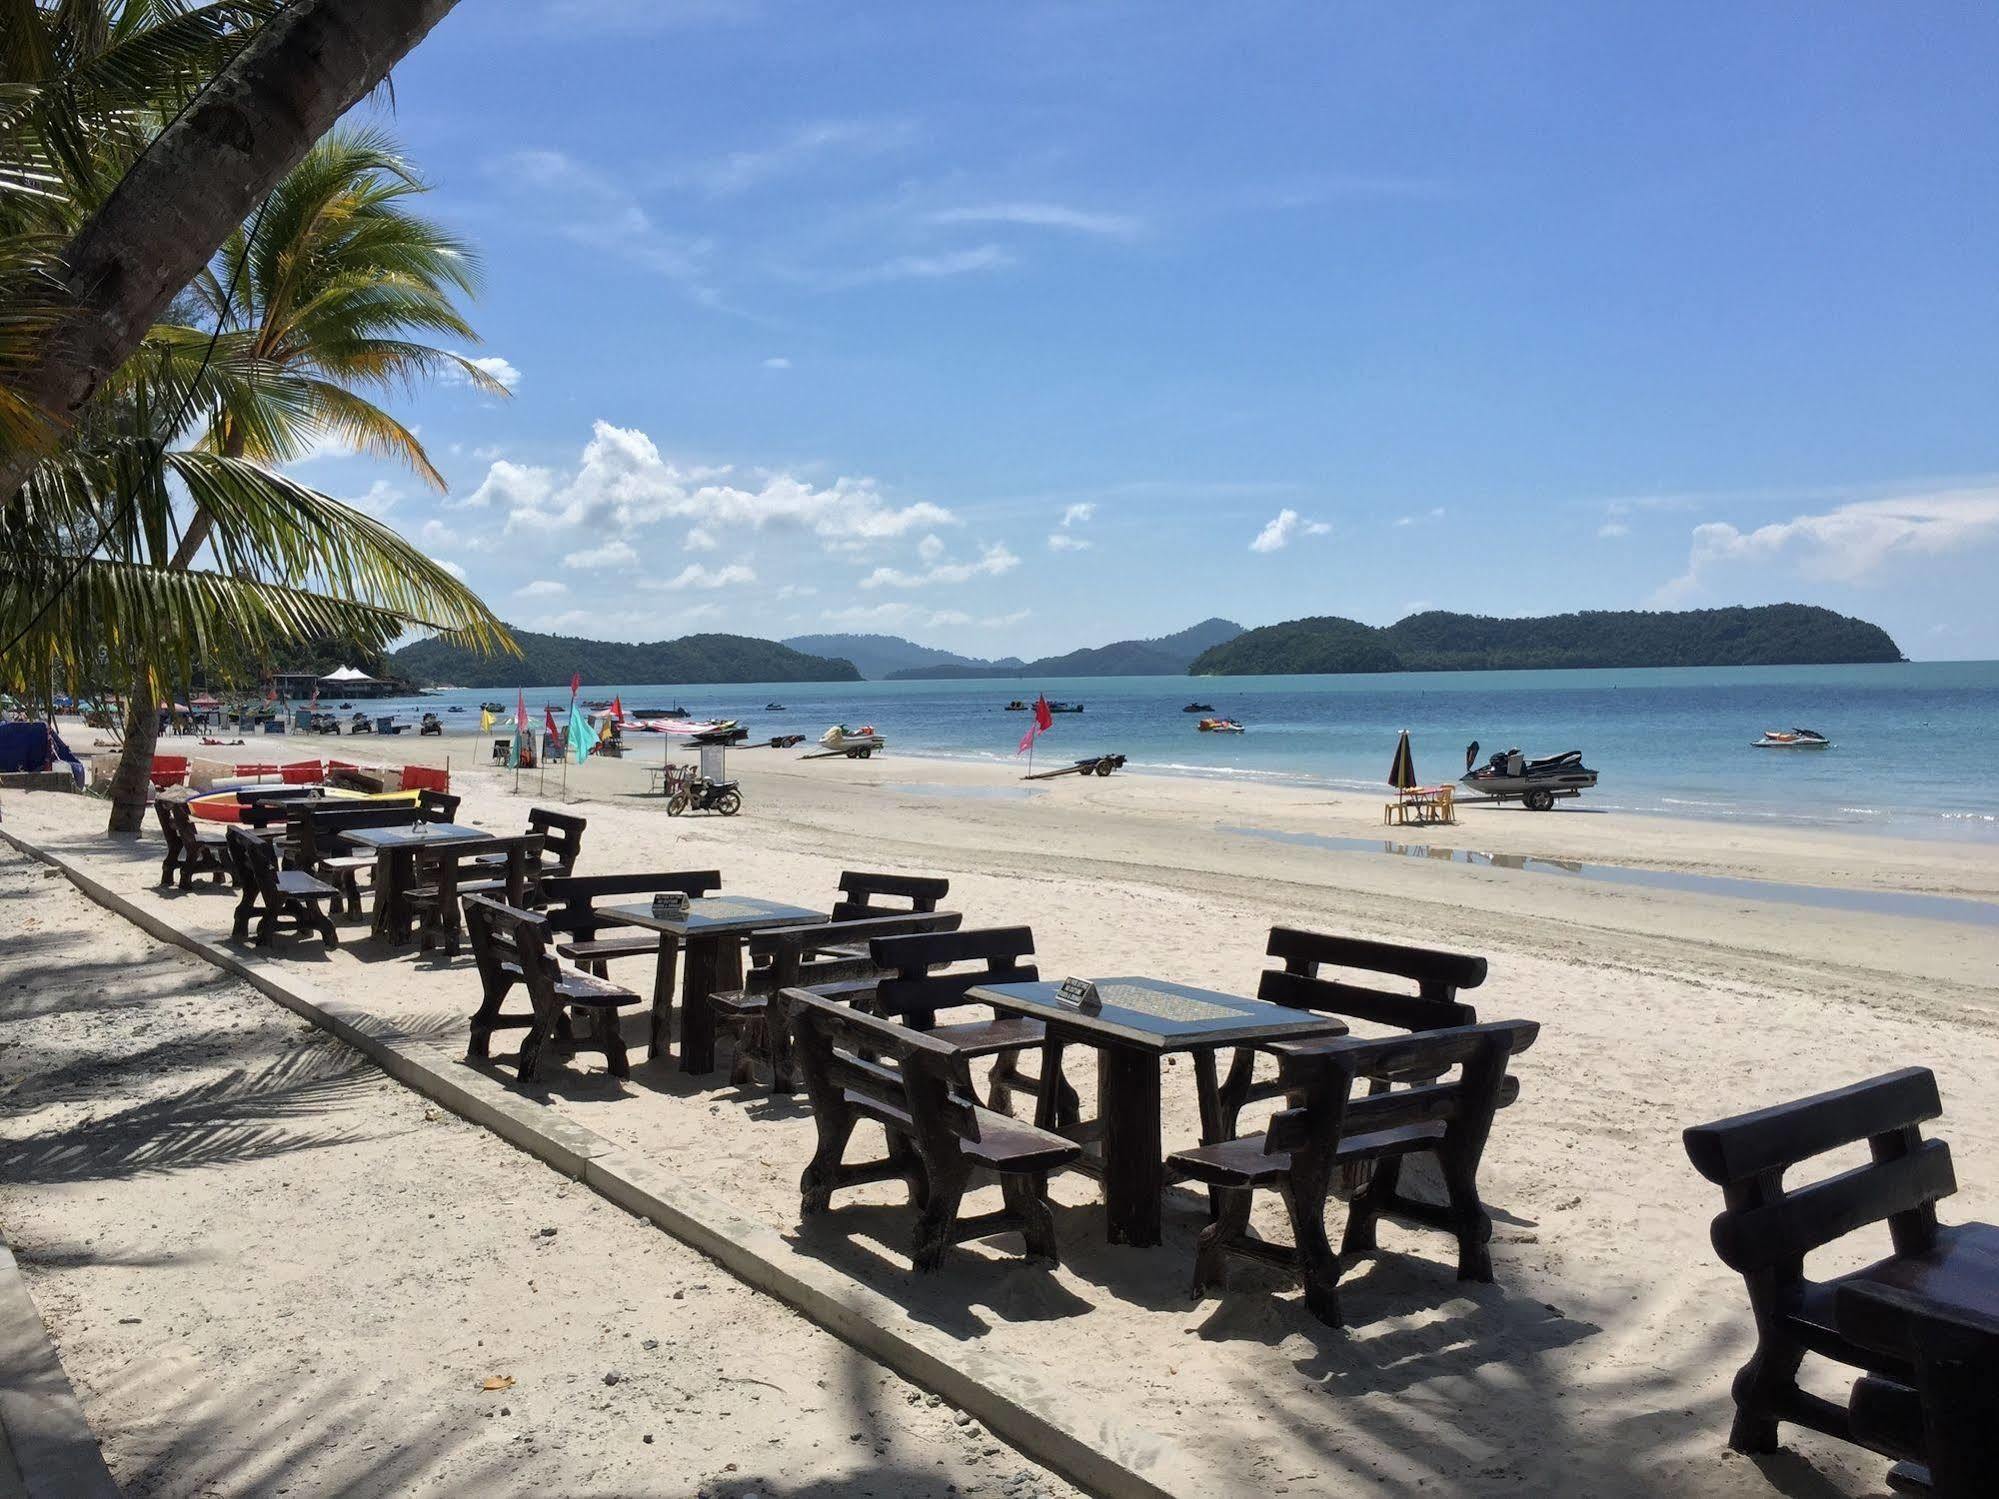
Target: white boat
<point x="1791" y="739"/>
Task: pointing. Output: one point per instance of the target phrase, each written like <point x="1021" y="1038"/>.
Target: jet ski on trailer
<point x="1535" y="783"/>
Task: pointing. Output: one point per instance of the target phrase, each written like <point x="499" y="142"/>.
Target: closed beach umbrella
<point x="1402" y="774"/>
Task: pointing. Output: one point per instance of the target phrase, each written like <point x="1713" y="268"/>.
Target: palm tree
<point x="326" y="295"/>
<point x="250" y="122"/>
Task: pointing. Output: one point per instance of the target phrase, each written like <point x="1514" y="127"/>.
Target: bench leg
<point x="821" y="1174"/>
<point x="1027" y="1198"/>
<point x="939" y="1216"/>
<point x="1761" y="1387"/>
<point x="1211" y="1251"/>
<point x="1472" y="1223"/>
<point x="604" y="1030"/>
<point x="322" y="922"/>
<point x="1367" y="1206"/>
<point x="1305" y="1199"/>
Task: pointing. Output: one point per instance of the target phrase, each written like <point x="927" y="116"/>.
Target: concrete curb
<point x="1090" y="1448"/>
<point x="53" y="1448"/>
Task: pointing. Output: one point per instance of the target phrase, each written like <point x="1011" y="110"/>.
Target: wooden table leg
<point x="714" y="963"/>
<point x="1134" y="1174"/>
<point x="385" y="891"/>
<point x="659" y="1043"/>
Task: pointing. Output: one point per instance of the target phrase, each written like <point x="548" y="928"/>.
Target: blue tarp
<point x="35" y="746"/>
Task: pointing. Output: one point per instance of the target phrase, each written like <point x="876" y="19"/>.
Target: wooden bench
<point x="506" y="867"/>
<point x="1328" y="1128"/>
<point x="314" y="842"/>
<point x="802" y="957"/>
<point x="1945" y="1420"/>
<point x="191" y="849"/>
<point x="281" y="899"/>
<point x="561" y="838"/>
<point x="510" y="947"/>
<point x="864" y="893"/>
<point x="914" y="993"/>
<point x="570" y="902"/>
<point x="1301" y="984"/>
<point x="919" y="1089"/>
<point x="1768" y="1226"/>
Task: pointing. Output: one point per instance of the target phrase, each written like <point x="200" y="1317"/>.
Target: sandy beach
<point x="1598" y="1363"/>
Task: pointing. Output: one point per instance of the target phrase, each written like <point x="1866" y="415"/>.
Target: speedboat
<point x="1510" y="776"/>
<point x="773" y="707"/>
<point x="1219" y="726"/>
<point x="1198" y="708"/>
<point x="676" y="711"/>
<point x="1065" y="707"/>
<point x="1794" y="739"/>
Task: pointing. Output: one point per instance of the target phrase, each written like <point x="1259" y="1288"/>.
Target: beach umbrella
<point x="1402" y="774"/>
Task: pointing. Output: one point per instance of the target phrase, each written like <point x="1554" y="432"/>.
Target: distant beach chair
<point x="1329" y="1128"/>
<point x="1909" y="1322"/>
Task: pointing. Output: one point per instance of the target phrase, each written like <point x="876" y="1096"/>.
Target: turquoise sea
<point x="1913" y="744"/>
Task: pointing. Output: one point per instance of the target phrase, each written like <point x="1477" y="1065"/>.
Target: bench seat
<point x="1245" y="1162"/>
<point x="304" y="886"/>
<point x="576" y="988"/>
<point x="1004" y="1144"/>
<point x="602" y="949"/>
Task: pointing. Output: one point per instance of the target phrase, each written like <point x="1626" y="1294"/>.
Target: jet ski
<point x="1511" y="776"/>
<point x="1219" y="726"/>
<point x="728" y="731"/>
<point x="1198" y="708"/>
<point x="1794" y="739"/>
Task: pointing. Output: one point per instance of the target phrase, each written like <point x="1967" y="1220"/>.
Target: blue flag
<point x="581" y="735"/>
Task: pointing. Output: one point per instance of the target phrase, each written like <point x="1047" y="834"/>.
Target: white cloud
<point x="1613" y="528"/>
<point x="451" y="567"/>
<point x="810" y="143"/>
<point x="694" y="575"/>
<point x="621" y="484"/>
<point x="610" y="554"/>
<point x="1283" y="528"/>
<point x="597" y="211"/>
<point x="1435" y="513"/>
<point x="700" y="539"/>
<point x="777" y="362"/>
<point x="1043" y="216"/>
<point x="491" y="364"/>
<point x="931" y="547"/>
<point x="489" y="452"/>
<point x="541" y="588"/>
<point x="381" y="498"/>
<point x="1848" y="543"/>
<point x="909" y="616"/>
<point x="993" y="561"/>
<point x="435" y="533"/>
<point x="796" y="591"/>
<point x="510" y="487"/>
<point x="1063" y="537"/>
<point x="932" y="267"/>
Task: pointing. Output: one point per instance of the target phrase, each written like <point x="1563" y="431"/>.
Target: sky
<point x="1013" y="328"/>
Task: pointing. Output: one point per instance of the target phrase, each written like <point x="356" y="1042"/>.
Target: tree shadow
<point x="245" y="1116"/>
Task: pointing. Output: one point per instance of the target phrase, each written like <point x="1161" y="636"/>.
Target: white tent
<point x="347" y="674"/>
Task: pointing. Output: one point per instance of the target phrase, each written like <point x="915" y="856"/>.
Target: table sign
<point x="670" y="903"/>
<point x="1081" y="993"/>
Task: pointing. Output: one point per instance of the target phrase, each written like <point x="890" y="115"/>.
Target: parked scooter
<point x="699" y="795"/>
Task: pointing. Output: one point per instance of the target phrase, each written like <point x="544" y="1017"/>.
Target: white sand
<point x="271" y="1270"/>
<point x="1600" y="1361"/>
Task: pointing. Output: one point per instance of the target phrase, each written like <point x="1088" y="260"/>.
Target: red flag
<point x="617" y="709"/>
<point x="1043" y="718"/>
<point x="521" y="710"/>
<point x="575" y="683"/>
<point x="548" y="721"/>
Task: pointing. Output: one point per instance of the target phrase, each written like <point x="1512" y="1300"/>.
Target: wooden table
<point x="396" y="849"/>
<point x="1142" y="1019"/>
<point x="712" y="929"/>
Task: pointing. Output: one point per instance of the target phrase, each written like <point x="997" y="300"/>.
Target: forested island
<point x="1767" y="635"/>
<point x="548" y="659"/>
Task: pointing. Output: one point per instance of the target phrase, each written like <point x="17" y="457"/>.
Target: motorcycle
<point x="701" y="795"/>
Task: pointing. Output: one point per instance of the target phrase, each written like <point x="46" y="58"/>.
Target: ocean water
<point x="1913" y="743"/>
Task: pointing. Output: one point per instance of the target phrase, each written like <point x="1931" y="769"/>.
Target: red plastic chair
<point x="425" y="778"/>
<point x="169" y="770"/>
<point x="302" y="773"/>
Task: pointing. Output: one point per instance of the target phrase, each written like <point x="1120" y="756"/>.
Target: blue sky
<point x="1017" y="327"/>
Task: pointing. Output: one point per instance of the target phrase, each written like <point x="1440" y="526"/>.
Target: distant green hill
<point x="1164" y="656"/>
<point x="880" y="656"/>
<point x="551" y="658"/>
<point x="1770" y="635"/>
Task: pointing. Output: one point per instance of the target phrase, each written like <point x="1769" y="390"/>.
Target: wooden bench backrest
<point x="561" y="832"/>
<point x="572" y="897"/>
<point x="916" y="992"/>
<point x="1438" y="977"/>
<point x="835" y="1047"/>
<point x="437" y="806"/>
<point x="314" y="830"/>
<point x="1769" y="1226"/>
<point x="504" y="934"/>
<point x="788" y="947"/>
<point x="449" y="865"/>
<point x="255" y="862"/>
<point x="861" y="893"/>
<point x="1326" y="1076"/>
<point x="176" y="822"/>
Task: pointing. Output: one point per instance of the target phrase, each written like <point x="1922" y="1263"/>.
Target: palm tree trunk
<point x="135" y="762"/>
<point x="200" y="179"/>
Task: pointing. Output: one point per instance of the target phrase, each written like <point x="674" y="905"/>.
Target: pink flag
<point x="521" y="709"/>
<point x="1027" y="739"/>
